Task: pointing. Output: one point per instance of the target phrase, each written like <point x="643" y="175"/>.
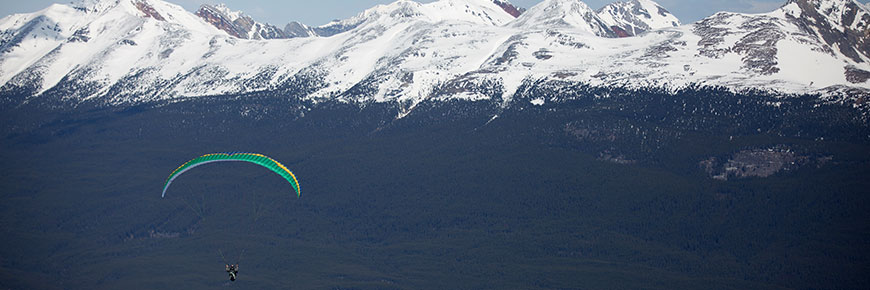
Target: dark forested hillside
<point x="591" y="189"/>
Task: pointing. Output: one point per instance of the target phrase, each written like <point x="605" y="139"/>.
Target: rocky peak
<point x="238" y="24"/>
<point x="298" y="29"/>
<point x="487" y="12"/>
<point x="91" y="6"/>
<point x="629" y="18"/>
<point x="509" y="8"/>
<point x="564" y="14"/>
<point x="396" y="10"/>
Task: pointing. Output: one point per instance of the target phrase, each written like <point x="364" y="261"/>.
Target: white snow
<point x="405" y="51"/>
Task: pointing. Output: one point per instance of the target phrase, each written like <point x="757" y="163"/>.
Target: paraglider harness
<point x="232" y="270"/>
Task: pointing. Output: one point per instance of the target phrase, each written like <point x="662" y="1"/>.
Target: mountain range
<point x="131" y="51"/>
<point x="454" y="144"/>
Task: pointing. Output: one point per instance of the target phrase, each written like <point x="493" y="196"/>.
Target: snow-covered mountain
<point x="571" y="14"/>
<point x="123" y="51"/>
<point x="237" y="23"/>
<point x="634" y="17"/>
<point x="483" y="12"/>
<point x="298" y="29"/>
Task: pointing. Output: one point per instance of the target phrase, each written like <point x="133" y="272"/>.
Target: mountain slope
<point x="843" y="25"/>
<point x="141" y="50"/>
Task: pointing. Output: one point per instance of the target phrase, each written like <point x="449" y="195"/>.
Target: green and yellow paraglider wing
<point x="255" y="158"/>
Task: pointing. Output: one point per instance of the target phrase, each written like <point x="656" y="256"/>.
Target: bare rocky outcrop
<point x="759" y="46"/>
<point x="509" y="8"/>
<point x="149" y="11"/>
<point x="712" y="33"/>
<point x="758" y="162"/>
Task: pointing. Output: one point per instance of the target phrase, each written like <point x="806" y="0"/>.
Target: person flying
<point x="232" y="270"/>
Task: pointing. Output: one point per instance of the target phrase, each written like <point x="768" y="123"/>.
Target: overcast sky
<point x="318" y="12"/>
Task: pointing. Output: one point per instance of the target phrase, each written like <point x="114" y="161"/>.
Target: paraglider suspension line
<point x="238" y="261"/>
<point x="222" y="256"/>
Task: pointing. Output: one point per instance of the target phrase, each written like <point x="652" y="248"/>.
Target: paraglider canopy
<point x="255" y="158"/>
